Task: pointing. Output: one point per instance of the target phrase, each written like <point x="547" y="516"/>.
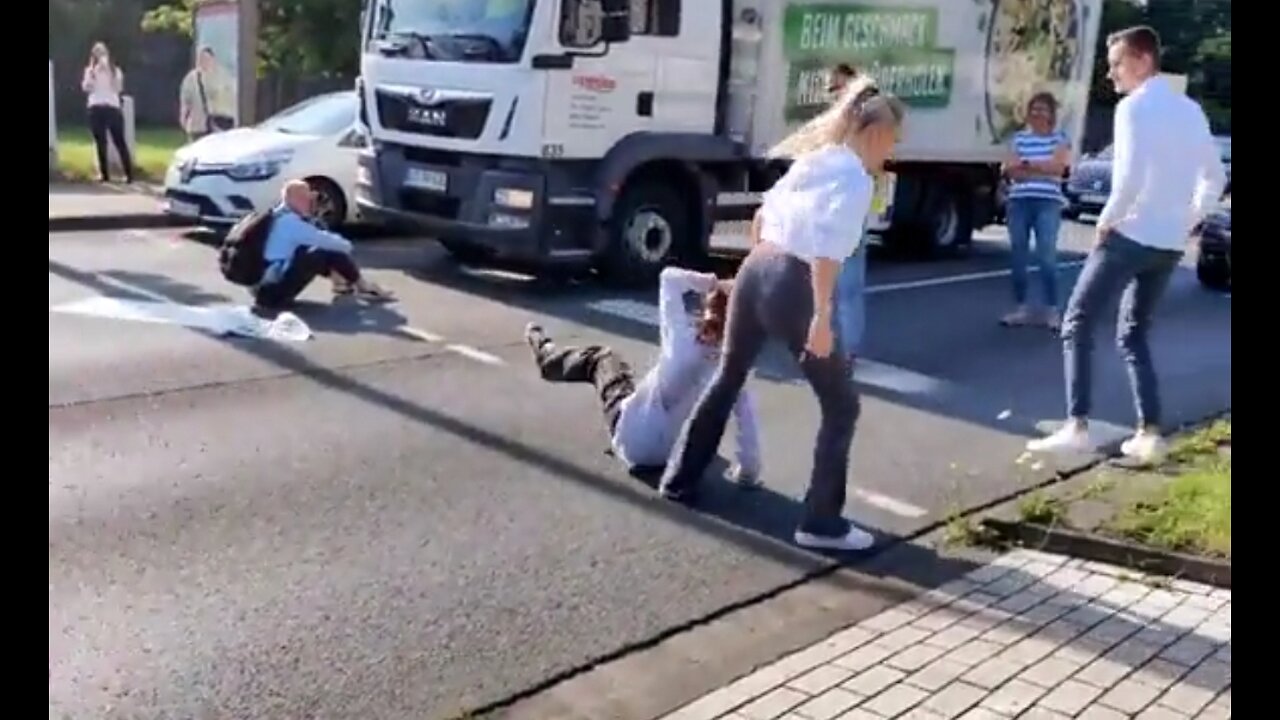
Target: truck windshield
<point x="451" y="30"/>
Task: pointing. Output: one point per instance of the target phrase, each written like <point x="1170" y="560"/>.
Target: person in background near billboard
<point x="784" y="290"/>
<point x="204" y="98"/>
<point x="103" y="82"/>
<point x="850" y="317"/>
<point x="1039" y="156"/>
<point x="1166" y="177"/>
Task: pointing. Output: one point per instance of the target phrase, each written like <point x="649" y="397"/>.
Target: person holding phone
<point x="784" y="289"/>
<point x="103" y="81"/>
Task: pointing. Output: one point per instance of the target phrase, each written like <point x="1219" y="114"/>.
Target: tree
<point x="296" y="37"/>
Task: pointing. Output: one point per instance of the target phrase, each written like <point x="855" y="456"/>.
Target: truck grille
<point x="448" y="117"/>
<point x="440" y="206"/>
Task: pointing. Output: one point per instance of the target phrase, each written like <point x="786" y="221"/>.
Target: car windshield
<point x="452" y="30"/>
<point x="324" y="115"/>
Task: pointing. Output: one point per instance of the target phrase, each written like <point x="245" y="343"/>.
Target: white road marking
<point x="419" y="334"/>
<point x="891" y="505"/>
<point x="868" y="372"/>
<point x="478" y="355"/>
<point x="954" y="279"/>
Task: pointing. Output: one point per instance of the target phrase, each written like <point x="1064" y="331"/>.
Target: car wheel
<point x="330" y="203"/>
<point x="1214" y="273"/>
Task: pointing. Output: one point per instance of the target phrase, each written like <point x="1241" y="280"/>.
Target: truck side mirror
<point x="615" y="26"/>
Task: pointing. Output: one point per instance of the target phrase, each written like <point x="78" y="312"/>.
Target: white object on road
<point x="225" y="175"/>
<point x="220" y="320"/>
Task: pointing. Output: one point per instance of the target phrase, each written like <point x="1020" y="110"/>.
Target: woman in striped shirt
<point x="1040" y="155"/>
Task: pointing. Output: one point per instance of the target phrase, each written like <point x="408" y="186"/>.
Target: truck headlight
<point x="514" y="199"/>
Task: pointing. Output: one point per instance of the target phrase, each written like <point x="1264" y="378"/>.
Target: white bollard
<point x="53" y="126"/>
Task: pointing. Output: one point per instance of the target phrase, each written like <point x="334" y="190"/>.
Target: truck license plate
<point x="424" y="179"/>
<point x="1093" y="199"/>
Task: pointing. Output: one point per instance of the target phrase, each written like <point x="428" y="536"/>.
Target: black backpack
<point x="241" y="256"/>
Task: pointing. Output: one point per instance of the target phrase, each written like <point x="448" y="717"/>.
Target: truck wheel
<point x="1214" y="274"/>
<point x="948" y="225"/>
<point x="465" y="252"/>
<point x="934" y="220"/>
<point x="649" y="229"/>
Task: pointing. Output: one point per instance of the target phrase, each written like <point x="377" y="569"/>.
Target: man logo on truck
<point x="431" y="117"/>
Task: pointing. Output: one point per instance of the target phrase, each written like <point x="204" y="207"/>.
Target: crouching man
<point x="297" y="252"/>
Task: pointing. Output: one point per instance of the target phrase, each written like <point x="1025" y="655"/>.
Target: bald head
<point x="296" y="195"/>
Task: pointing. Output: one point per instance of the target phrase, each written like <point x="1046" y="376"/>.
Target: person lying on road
<point x="644" y="419"/>
<point x="298" y="252"/>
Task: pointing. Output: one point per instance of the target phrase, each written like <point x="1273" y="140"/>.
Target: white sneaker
<point x="1147" y="447"/>
<point x="1069" y="438"/>
<point x="747" y="480"/>
<point x="855" y="539"/>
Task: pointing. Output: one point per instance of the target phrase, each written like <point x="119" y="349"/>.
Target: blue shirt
<point x="289" y="232"/>
<point x="1034" y="147"/>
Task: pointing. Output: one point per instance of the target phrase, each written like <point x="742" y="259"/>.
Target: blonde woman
<point x="806" y="227"/>
<point x="103" y="82"/>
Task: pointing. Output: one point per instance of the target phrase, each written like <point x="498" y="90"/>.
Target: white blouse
<point x="103" y="86"/>
<point x="819" y="208"/>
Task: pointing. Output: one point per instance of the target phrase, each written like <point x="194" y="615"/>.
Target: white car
<point x="221" y="177"/>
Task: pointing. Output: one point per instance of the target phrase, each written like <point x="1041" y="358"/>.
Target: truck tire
<point x="649" y="229"/>
<point x="937" y="222"/>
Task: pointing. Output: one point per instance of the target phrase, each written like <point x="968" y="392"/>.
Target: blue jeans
<point x="1142" y="273"/>
<point x="1044" y="218"/>
<point x="849" y="321"/>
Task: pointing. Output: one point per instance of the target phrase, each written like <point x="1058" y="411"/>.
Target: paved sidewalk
<point x="106" y="207"/>
<point x="1031" y="635"/>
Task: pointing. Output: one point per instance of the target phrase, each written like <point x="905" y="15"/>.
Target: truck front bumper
<point x="500" y="207"/>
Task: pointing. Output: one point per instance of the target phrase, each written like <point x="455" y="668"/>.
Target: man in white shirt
<point x="1166" y="177"/>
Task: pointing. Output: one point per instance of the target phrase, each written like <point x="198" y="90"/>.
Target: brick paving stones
<point x="1030" y="635"/>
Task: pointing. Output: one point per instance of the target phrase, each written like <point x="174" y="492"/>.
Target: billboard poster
<point x="217" y="27"/>
<point x="965" y="69"/>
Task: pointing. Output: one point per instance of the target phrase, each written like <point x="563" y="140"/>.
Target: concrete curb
<point x="133" y="221"/>
<point x="1142" y="558"/>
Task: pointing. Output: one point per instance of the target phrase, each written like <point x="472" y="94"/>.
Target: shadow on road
<point x="761" y="523"/>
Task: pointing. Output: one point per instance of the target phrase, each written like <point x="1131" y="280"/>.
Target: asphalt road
<point x="399" y="519"/>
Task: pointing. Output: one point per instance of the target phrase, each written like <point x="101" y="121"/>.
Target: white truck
<point x="629" y="134"/>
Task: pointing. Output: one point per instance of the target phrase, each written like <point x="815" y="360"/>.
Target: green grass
<point x="154" y="149"/>
<point x="1042" y="509"/>
<point x="1192" y="511"/>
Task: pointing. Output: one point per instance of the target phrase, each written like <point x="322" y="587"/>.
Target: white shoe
<point x="1147" y="447"/>
<point x="1069" y="438"/>
<point x="855" y="539"/>
<point x="744" y="479"/>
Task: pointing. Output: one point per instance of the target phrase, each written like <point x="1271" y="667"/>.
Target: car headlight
<point x="514" y="199"/>
<point x="259" y="168"/>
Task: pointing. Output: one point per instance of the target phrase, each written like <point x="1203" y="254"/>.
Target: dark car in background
<point x="1089" y="185"/>
<point x="1213" y="262"/>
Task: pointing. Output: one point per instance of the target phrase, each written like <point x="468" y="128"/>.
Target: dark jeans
<point x="108" y="122"/>
<point x="1043" y="218"/>
<point x="1142" y="273"/>
<point x="773" y="298"/>
<point x="595" y="364"/>
<point x="307" y="265"/>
